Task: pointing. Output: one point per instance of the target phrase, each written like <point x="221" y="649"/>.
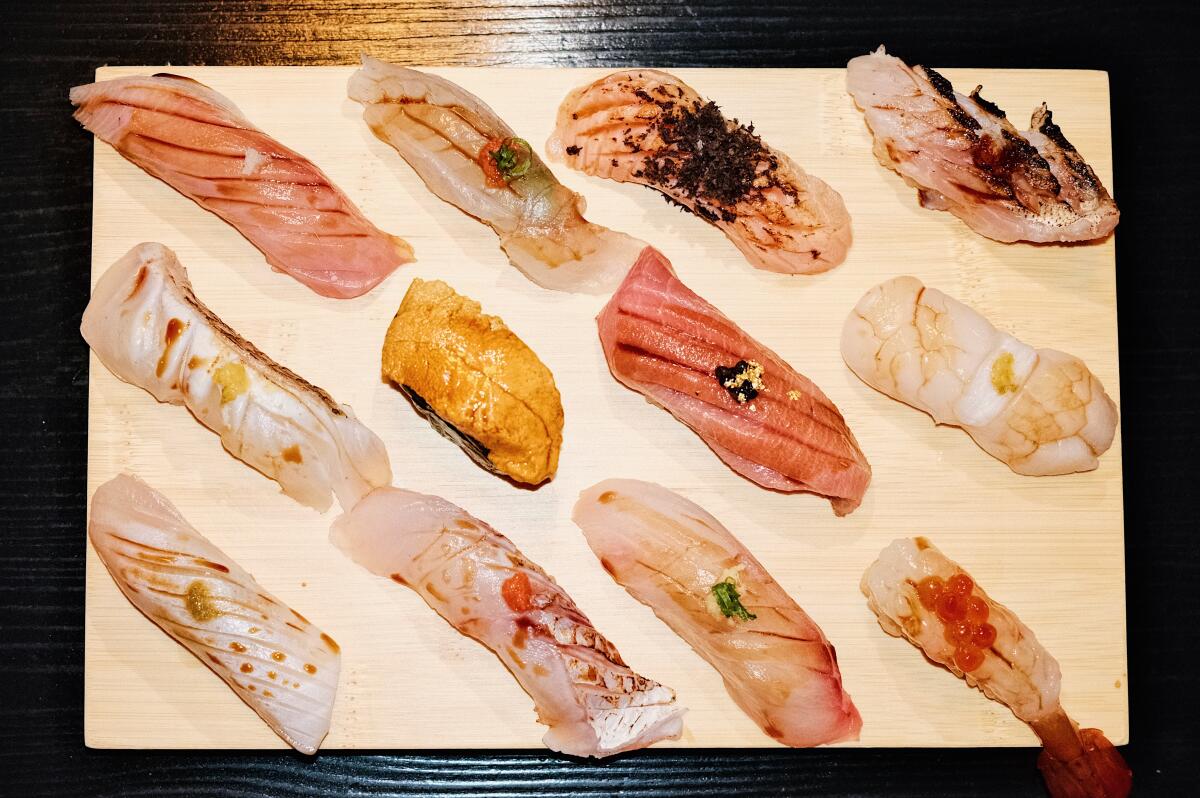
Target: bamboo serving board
<point x="1050" y="548"/>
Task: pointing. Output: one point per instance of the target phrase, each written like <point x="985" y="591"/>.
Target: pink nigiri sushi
<point x="200" y="144"/>
<point x="963" y="156"/>
<point x="674" y="557"/>
<point x="271" y="656"/>
<point x="764" y="419"/>
<point x="476" y="579"/>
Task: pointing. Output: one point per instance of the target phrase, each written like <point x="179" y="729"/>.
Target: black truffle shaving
<point x="742" y="391"/>
<point x="474" y="449"/>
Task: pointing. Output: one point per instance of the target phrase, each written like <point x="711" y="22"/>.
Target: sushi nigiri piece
<point x="477" y="580"/>
<point x="675" y="558"/>
<point x="767" y="422"/>
<point x="471" y="158"/>
<point x="475" y="381"/>
<point x="649" y="127"/>
<point x="147" y="326"/>
<point x="199" y="143"/>
<point x="271" y="656"/>
<point x="920" y="595"/>
<point x="1038" y="410"/>
<point x="963" y="155"/>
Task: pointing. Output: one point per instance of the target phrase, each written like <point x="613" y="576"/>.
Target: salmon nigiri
<point x="763" y="418"/>
<point x="271" y="656"/>
<point x="471" y="158"/>
<point x="674" y="557"/>
<point x="919" y="594"/>
<point x="200" y="144"/>
<point x="476" y="579"/>
<point x="649" y="127"/>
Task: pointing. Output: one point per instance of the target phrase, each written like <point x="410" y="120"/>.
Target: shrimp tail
<point x="1080" y="763"/>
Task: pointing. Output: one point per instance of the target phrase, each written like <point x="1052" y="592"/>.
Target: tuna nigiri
<point x="198" y="142"/>
<point x="471" y="158"/>
<point x="1039" y="410"/>
<point x="477" y="580"/>
<point x="271" y="656"/>
<point x="963" y="155"/>
<point x="920" y="595"/>
<point x="765" y="420"/>
<point x="674" y="557"/>
<point x="147" y="326"/>
<point x="649" y="127"/>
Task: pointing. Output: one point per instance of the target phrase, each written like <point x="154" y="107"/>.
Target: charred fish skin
<point x="479" y="582"/>
<point x="200" y="144"/>
<point x="274" y="659"/>
<point x="147" y="326"/>
<point x="475" y="381"/>
<point x="964" y="156"/>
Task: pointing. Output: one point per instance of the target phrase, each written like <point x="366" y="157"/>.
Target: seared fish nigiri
<point x="963" y="155"/>
<point x="675" y="558"/>
<point x="271" y="656"/>
<point x="475" y="381"/>
<point x="919" y="594"/>
<point x="198" y="142"/>
<point x="1039" y="410"/>
<point x="767" y="421"/>
<point x="150" y="330"/>
<point x="476" y="579"/>
<point x="649" y="127"/>
<point x="471" y="158"/>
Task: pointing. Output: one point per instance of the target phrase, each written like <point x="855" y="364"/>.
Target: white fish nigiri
<point x="150" y="330"/>
<point x="917" y="593"/>
<point x="674" y="557"/>
<point x="1041" y="411"/>
<point x="476" y="579"/>
<point x="271" y="656"/>
<point x="471" y="158"/>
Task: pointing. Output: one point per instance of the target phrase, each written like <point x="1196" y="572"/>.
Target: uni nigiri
<point x="147" y="326"/>
<point x="649" y="127"/>
<point x="920" y="595"/>
<point x="675" y="558"/>
<point x="476" y="579"/>
<point x="198" y="142"/>
<point x="1039" y="410"/>
<point x="271" y="656"/>
<point x="767" y="422"/>
<point x="963" y="155"/>
<point x="471" y="158"/>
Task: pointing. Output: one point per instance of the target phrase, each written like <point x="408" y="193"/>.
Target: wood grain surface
<point x="1145" y="47"/>
<point x="1016" y="534"/>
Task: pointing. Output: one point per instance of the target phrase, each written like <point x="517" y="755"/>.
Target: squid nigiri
<point x="649" y="127"/>
<point x="963" y="156"/>
<point x="764" y="419"/>
<point x="1039" y="410"/>
<point x="477" y="580"/>
<point x="147" y="326"/>
<point x="199" y="143"/>
<point x="674" y="557"/>
<point x="271" y="656"/>
<point x="920" y="595"/>
<point x="471" y="158"/>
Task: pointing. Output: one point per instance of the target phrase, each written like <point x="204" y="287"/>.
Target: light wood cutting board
<point x="1050" y="548"/>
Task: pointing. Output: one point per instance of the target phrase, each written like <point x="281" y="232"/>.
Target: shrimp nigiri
<point x="1039" y="410"/>
<point x="271" y="656"/>
<point x="471" y="158"/>
<point x="674" y="557"/>
<point x="476" y="579"/>
<point x="646" y="126"/>
<point x="147" y="326"/>
<point x="200" y="144"/>
<point x="919" y="594"/>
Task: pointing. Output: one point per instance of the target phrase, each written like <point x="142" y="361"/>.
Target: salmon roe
<point x="928" y="590"/>
<point x="964" y="615"/>
<point x="968" y="659"/>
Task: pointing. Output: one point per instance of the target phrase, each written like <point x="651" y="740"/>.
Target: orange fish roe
<point x="517" y="592"/>
<point x="964" y="616"/>
<point x="968" y="659"/>
<point x="928" y="590"/>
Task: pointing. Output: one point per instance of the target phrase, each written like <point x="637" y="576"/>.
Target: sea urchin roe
<point x="928" y="590"/>
<point x="743" y="380"/>
<point x="517" y="592"/>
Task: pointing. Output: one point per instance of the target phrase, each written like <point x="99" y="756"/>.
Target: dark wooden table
<point x="1148" y="48"/>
